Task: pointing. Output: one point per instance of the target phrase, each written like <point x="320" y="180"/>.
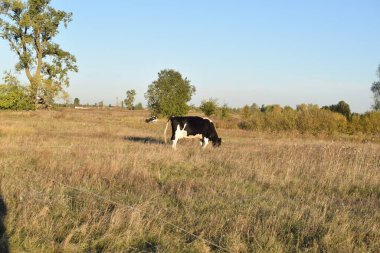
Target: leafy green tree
<point x="76" y="102"/>
<point x="139" y="106"/>
<point x="342" y="108"/>
<point x="375" y="88"/>
<point x="209" y="107"/>
<point x="130" y="99"/>
<point x="169" y="94"/>
<point x="29" y="27"/>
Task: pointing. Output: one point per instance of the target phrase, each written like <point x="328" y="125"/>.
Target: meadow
<point x="104" y="181"/>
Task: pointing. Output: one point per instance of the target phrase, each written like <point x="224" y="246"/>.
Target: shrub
<point x="15" y="97"/>
<point x="209" y="107"/>
<point x="306" y="119"/>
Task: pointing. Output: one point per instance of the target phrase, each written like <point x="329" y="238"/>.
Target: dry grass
<point x="254" y="194"/>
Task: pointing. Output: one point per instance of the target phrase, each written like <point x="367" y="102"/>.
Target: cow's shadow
<point x="146" y="140"/>
<point x="4" y="248"/>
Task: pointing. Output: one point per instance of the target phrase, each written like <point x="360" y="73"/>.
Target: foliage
<point x="310" y="119"/>
<point x="130" y="99"/>
<point x="209" y="107"/>
<point x="224" y="111"/>
<point x="139" y="106"/>
<point x="169" y="94"/>
<point x="342" y="108"/>
<point x="367" y="123"/>
<point x="30" y="27"/>
<point x="11" y="79"/>
<point x="375" y="88"/>
<point x="254" y="107"/>
<point x="376" y="94"/>
<point x="245" y="112"/>
<point x="305" y="119"/>
<point x="76" y="102"/>
<point x="15" y="97"/>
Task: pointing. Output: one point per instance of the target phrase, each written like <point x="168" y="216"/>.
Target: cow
<point x="193" y="127"/>
<point x="152" y="119"/>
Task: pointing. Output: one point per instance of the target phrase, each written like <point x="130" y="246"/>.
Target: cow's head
<point x="217" y="142"/>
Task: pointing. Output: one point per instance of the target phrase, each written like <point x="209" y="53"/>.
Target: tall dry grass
<point x="254" y="194"/>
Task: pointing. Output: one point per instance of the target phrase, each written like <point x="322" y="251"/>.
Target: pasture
<point x="103" y="181"/>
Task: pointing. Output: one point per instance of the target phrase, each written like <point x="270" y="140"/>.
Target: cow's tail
<point x="166" y="128"/>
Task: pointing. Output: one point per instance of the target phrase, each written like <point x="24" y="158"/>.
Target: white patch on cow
<point x="208" y="119"/>
<point x="205" y="142"/>
<point x="179" y="134"/>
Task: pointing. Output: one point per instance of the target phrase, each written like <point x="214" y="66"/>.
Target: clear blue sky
<point x="240" y="52"/>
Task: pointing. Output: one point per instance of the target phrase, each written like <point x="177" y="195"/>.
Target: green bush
<point x="209" y="107"/>
<point x="15" y="97"/>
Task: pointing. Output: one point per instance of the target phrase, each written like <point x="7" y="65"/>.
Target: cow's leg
<point x="174" y="146"/>
<point x="177" y="135"/>
<point x="205" y="142"/>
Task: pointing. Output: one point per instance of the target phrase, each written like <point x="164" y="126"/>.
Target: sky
<point x="239" y="52"/>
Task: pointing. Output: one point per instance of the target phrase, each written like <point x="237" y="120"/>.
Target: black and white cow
<point x="193" y="127"/>
<point x="152" y="119"/>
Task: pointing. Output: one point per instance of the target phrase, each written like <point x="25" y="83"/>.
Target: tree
<point x="76" y="102"/>
<point x="30" y="27"/>
<point x="130" y="99"/>
<point x="209" y="107"/>
<point x="139" y="106"/>
<point x="342" y="108"/>
<point x="169" y="94"/>
<point x="375" y="88"/>
<point x="254" y="108"/>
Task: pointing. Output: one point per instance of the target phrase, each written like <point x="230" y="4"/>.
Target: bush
<point x="209" y="107"/>
<point x="15" y="97"/>
<point x="367" y="123"/>
<point x="342" y="108"/>
<point x="306" y="119"/>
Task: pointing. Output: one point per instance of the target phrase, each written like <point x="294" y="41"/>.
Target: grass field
<point x="103" y="181"/>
